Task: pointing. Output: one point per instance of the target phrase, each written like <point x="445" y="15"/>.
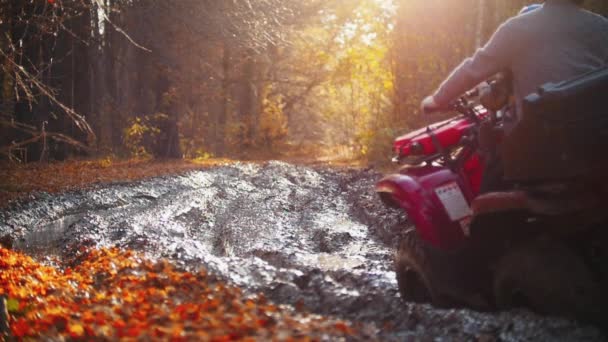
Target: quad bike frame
<point x="541" y="244"/>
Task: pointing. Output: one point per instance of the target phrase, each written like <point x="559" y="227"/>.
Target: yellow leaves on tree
<point x="141" y="135"/>
<point x="118" y="295"/>
<point x="350" y="48"/>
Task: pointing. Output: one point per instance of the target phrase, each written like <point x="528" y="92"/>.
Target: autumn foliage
<point x="110" y="294"/>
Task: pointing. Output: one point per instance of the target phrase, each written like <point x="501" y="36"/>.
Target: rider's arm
<point x="487" y="61"/>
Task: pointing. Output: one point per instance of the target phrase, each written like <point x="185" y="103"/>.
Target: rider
<point x="530" y="8"/>
<point x="551" y="43"/>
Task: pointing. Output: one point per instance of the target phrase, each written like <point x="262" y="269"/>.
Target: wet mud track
<point x="316" y="238"/>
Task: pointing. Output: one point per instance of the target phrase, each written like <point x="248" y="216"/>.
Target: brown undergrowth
<point x="16" y="181"/>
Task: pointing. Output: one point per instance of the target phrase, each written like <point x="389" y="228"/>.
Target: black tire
<point x="414" y="272"/>
<point x="549" y="278"/>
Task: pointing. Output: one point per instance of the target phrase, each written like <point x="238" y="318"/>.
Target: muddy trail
<point x="316" y="238"/>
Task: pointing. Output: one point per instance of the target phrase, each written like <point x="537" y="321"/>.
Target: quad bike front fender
<point x="416" y="195"/>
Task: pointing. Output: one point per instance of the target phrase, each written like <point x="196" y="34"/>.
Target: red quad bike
<point x="542" y="243"/>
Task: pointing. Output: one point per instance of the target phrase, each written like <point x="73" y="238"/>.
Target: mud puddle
<point x="315" y="238"/>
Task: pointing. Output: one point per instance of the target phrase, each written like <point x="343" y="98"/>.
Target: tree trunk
<point x="100" y="105"/>
<point x="246" y="97"/>
<point x="479" y="28"/>
<point x="168" y="137"/>
<point x="7" y="95"/>
<point x="499" y="10"/>
<point x="80" y="71"/>
<point x="222" y="115"/>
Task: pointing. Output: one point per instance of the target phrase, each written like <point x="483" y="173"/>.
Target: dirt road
<point x="316" y="238"/>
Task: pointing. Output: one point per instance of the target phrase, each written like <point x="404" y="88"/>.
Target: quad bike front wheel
<point x="414" y="271"/>
<point x="549" y="278"/>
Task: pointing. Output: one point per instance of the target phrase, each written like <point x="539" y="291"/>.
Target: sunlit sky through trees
<point x="224" y="78"/>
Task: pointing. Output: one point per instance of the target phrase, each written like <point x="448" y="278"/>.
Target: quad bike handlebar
<point x="465" y="105"/>
<point x="478" y="122"/>
<point x="493" y="95"/>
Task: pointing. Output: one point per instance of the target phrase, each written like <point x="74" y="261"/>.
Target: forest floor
<point x="220" y="250"/>
<point x="17" y="181"/>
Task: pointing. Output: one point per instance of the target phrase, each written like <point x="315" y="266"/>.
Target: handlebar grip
<point x="429" y="106"/>
<point x="429" y="109"/>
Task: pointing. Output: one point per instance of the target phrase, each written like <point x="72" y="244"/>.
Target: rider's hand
<point x="429" y="105"/>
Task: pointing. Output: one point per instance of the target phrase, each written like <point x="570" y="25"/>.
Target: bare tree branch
<point x="36" y="136"/>
<point x="101" y="6"/>
<point x="79" y="120"/>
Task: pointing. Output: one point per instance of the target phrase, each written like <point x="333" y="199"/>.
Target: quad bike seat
<point x="563" y="133"/>
<point x="546" y="203"/>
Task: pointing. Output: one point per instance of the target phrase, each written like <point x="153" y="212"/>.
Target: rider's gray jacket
<point x="553" y="43"/>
